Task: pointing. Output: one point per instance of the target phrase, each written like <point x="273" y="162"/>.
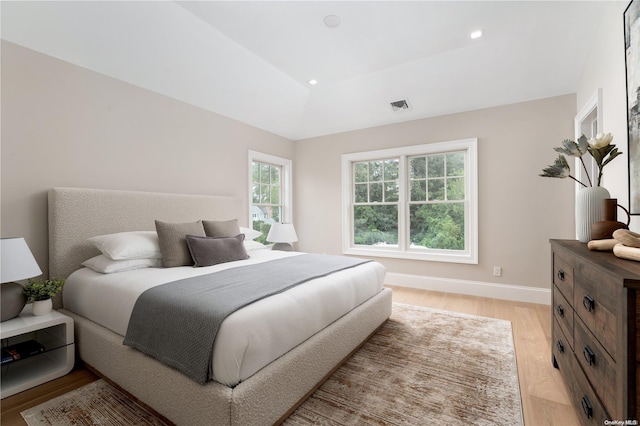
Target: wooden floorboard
<point x="545" y="399"/>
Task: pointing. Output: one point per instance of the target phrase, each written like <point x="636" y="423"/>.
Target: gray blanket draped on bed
<point x="177" y="322"/>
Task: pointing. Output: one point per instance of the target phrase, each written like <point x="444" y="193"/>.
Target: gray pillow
<point x="173" y="243"/>
<point x="221" y="228"/>
<point x="207" y="251"/>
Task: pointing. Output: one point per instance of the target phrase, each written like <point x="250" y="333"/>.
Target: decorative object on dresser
<point x="595" y="332"/>
<point x="604" y="229"/>
<point x="17" y="264"/>
<point x="589" y="198"/>
<point x="282" y="234"/>
<point x="625" y="244"/>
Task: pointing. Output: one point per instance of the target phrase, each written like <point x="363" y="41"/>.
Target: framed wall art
<point x="632" y="62"/>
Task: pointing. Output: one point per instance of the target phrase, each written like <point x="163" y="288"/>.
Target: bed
<point x="259" y="392"/>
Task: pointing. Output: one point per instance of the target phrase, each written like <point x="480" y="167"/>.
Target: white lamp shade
<point x="282" y="233"/>
<point x="17" y="261"/>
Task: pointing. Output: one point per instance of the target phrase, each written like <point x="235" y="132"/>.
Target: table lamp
<point x="17" y="264"/>
<point x="282" y="234"/>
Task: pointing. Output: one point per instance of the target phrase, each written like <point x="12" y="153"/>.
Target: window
<point x="269" y="191"/>
<point x="417" y="202"/>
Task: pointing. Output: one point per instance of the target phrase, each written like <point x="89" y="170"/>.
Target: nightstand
<point x="54" y="332"/>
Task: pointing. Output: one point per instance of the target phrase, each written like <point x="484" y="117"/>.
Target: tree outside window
<point x="415" y="202"/>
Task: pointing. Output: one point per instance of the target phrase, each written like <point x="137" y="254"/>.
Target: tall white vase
<point x="589" y="210"/>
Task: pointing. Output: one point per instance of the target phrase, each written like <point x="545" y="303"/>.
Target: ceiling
<point x="251" y="61"/>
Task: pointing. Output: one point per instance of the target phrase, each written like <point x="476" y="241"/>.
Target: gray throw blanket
<point x="177" y="322"/>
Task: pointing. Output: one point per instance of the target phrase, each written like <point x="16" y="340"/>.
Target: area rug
<point x="97" y="403"/>
<point x="423" y="366"/>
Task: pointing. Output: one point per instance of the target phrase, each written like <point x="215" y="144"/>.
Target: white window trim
<point x="287" y="187"/>
<point x="469" y="255"/>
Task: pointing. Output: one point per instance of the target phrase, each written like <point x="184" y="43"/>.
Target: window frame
<point x="286" y="191"/>
<point x="403" y="249"/>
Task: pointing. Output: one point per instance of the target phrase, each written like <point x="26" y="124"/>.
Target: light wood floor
<point x="544" y="397"/>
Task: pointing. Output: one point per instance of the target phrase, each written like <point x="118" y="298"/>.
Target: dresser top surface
<point x="627" y="270"/>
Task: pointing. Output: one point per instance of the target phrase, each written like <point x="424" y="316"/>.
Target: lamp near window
<point x="282" y="234"/>
<point x="17" y="264"/>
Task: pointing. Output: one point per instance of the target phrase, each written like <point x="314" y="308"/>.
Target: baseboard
<point x="472" y="288"/>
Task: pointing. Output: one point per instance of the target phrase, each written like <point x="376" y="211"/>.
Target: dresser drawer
<point x="590" y="410"/>
<point x="561" y="351"/>
<point x="563" y="313"/>
<point x="597" y="365"/>
<point x="563" y="275"/>
<point x="597" y="302"/>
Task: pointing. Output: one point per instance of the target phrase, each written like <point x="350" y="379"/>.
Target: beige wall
<point x="518" y="210"/>
<point x="63" y="125"/>
<point x="606" y="71"/>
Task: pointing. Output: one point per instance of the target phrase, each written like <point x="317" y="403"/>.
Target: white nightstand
<point x="55" y="332"/>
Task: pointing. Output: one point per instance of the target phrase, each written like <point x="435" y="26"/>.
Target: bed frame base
<point x="265" y="398"/>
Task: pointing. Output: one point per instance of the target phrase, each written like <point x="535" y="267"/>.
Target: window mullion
<point x="403" y="231"/>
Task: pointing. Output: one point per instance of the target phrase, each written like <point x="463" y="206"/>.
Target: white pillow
<point x="128" y="245"/>
<point x="104" y="265"/>
<point x="250" y="234"/>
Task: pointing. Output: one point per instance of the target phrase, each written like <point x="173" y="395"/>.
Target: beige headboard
<point x="76" y="214"/>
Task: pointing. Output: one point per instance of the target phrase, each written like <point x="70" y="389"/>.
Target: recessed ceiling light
<point x="476" y="34"/>
<point x="332" y="21"/>
<point x="312" y="82"/>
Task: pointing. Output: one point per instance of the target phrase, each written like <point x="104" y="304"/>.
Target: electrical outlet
<point x="497" y="271"/>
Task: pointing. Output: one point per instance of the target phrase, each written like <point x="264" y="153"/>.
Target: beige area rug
<point x="424" y="366"/>
<point x="97" y="403"/>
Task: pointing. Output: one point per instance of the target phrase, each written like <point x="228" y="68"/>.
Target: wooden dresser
<point x="595" y="331"/>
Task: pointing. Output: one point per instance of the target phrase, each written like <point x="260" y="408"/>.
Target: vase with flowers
<point x="590" y="197"/>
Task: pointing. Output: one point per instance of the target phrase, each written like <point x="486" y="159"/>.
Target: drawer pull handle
<point x="560" y="310"/>
<point x="588" y="303"/>
<point x="561" y="275"/>
<point x="560" y="346"/>
<point x="586" y="407"/>
<point x="589" y="356"/>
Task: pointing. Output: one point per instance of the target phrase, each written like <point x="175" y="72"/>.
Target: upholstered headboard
<point x="76" y="214"/>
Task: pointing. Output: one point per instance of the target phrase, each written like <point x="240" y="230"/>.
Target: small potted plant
<point x="40" y="293"/>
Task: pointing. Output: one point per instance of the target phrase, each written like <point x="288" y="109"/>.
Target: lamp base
<point x="12" y="300"/>
<point x="282" y="247"/>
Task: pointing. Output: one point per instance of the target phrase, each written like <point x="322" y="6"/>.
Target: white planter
<point x="589" y="210"/>
<point x="42" y="307"/>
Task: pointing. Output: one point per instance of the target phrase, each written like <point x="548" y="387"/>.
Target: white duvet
<point x="248" y="339"/>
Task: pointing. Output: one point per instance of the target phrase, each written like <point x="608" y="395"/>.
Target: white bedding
<point x="248" y="339"/>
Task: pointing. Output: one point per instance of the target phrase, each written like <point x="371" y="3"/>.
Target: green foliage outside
<point x="260" y="225"/>
<point x="437" y="226"/>
<point x="376" y="224"/>
<point x="436" y="201"/>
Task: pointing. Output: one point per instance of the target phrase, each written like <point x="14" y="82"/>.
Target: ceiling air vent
<point x="401" y="105"/>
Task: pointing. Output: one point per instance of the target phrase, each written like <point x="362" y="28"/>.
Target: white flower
<point x="600" y="141"/>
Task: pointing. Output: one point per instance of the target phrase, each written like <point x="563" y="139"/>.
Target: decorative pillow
<point x="221" y="228"/>
<point x="250" y="234"/>
<point x="173" y="244"/>
<point x="128" y="245"/>
<point x="104" y="265"/>
<point x="207" y="251"/>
